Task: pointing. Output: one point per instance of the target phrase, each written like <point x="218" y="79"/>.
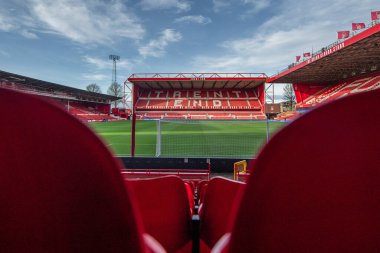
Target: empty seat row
<point x="60" y="197"/>
<point x="166" y="206"/>
<point x="185" y="104"/>
<point x="342" y="89"/>
<point x="197" y="94"/>
<point x="216" y="115"/>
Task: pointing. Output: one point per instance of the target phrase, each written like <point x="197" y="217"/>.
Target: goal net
<point x="211" y="139"/>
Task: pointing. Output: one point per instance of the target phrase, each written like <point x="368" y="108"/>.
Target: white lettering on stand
<point x="197" y="94"/>
<point x="177" y="103"/>
<point x="158" y="92"/>
<point x="177" y="94"/>
<point x="218" y="94"/>
<point x="237" y="93"/>
<point x="217" y="103"/>
<point x="197" y="102"/>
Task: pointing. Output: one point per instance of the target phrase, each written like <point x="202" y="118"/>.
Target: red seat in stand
<point x="164" y="206"/>
<point x="316" y="185"/>
<point x="61" y="189"/>
<point x="190" y="195"/>
<point x="201" y="189"/>
<point x="219" y="202"/>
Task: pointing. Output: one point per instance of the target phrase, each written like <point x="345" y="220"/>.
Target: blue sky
<point x="68" y="41"/>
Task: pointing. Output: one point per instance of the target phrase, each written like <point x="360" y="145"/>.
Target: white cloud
<point x="247" y="6"/>
<point x="82" y="21"/>
<point x="28" y="34"/>
<point x="180" y="5"/>
<point x="5" y="25"/>
<point x="96" y="77"/>
<point x="17" y="23"/>
<point x="259" y="53"/>
<point x="157" y="47"/>
<point x="105" y="63"/>
<point x="257" y="5"/>
<point x="299" y="26"/>
<point x="97" y="62"/>
<point x="220" y="4"/>
<point x="87" y="21"/>
<point x="197" y="19"/>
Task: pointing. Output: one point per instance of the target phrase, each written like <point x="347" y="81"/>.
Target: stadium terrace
<point x="79" y="176"/>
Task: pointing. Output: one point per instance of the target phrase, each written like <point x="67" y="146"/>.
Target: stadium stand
<point x="341" y="89"/>
<point x="165" y="210"/>
<point x="57" y="196"/>
<point x="340" y="69"/>
<point x="85" y="105"/>
<point x="198" y="104"/>
<point x="323" y="195"/>
<point x="314" y="187"/>
<point x="199" y="96"/>
<point x="88" y="114"/>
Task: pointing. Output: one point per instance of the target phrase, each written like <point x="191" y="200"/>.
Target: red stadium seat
<point x="201" y="189"/>
<point x="61" y="190"/>
<point x="191" y="183"/>
<point x="219" y="200"/>
<point x="190" y="195"/>
<point x="316" y="185"/>
<point x="164" y="207"/>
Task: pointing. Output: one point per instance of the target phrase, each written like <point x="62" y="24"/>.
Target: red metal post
<point x="133" y="132"/>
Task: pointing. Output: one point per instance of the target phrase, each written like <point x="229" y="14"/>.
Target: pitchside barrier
<point x="213" y="165"/>
<point x="213" y="139"/>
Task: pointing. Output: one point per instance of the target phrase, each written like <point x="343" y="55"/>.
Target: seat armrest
<point x="152" y="245"/>
<point x="222" y="245"/>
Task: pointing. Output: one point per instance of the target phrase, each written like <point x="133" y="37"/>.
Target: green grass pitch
<point x="222" y="139"/>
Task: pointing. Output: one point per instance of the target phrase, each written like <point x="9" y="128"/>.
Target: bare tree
<point x="93" y="88"/>
<point x="289" y="96"/>
<point x="116" y="90"/>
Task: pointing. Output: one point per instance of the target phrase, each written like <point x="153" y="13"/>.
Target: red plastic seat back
<point x="164" y="206"/>
<point x="219" y="202"/>
<point x="61" y="190"/>
<point x="201" y="189"/>
<point x="190" y="195"/>
<point x="316" y="184"/>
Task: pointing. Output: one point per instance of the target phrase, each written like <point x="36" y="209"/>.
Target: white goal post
<point x="212" y="138"/>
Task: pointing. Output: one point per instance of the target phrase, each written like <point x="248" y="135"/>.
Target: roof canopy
<point x="198" y="80"/>
<point x="357" y="55"/>
<point x="52" y="87"/>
